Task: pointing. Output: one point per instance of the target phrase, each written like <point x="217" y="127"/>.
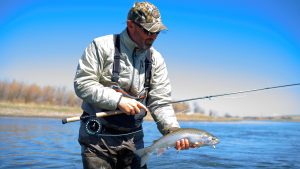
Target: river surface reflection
<point x="46" y="143"/>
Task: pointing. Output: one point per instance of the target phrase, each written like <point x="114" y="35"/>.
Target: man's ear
<point x="130" y="24"/>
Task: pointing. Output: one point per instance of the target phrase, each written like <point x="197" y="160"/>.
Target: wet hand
<point x="184" y="144"/>
<point x="130" y="106"/>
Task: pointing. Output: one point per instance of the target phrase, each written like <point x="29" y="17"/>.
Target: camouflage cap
<point x="147" y="15"/>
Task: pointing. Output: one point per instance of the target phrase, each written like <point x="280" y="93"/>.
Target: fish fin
<point x="177" y="152"/>
<point x="198" y="144"/>
<point x="144" y="154"/>
<point x="154" y="141"/>
<point x="160" y="151"/>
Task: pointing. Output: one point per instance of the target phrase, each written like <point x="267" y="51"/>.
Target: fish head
<point x="208" y="140"/>
<point x="214" y="140"/>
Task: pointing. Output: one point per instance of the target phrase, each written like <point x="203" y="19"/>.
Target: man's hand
<point x="184" y="144"/>
<point x="130" y="106"/>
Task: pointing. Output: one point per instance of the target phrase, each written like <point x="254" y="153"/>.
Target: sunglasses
<point x="146" y="31"/>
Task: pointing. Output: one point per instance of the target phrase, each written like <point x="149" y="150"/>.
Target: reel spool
<point x="93" y="126"/>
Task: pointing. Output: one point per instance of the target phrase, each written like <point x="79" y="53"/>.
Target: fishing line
<point x="231" y="97"/>
<point x="126" y="134"/>
<point x="177" y="112"/>
<point x="119" y="135"/>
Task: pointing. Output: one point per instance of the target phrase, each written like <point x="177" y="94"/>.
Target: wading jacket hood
<point x="92" y="82"/>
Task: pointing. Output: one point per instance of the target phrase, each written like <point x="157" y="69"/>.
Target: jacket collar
<point x="127" y="42"/>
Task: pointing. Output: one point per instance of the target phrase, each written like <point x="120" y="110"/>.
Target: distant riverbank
<point x="37" y="110"/>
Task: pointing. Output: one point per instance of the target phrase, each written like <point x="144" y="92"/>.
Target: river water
<point x="46" y="143"/>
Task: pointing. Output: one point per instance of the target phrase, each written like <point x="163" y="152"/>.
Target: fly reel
<point x="93" y="126"/>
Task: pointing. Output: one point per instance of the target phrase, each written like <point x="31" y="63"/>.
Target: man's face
<point x="143" y="38"/>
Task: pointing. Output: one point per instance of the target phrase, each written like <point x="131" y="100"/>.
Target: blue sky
<point x="210" y="47"/>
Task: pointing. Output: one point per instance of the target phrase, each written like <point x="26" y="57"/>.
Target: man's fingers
<point x="187" y="144"/>
<point x="136" y="109"/>
<point x="130" y="110"/>
<point x="182" y="143"/>
<point x="141" y="106"/>
<point x="130" y="106"/>
<point x="178" y="147"/>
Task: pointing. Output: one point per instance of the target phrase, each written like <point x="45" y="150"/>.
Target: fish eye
<point x="214" y="139"/>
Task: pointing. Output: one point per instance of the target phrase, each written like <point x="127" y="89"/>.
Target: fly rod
<point x="232" y="93"/>
<point x="110" y="113"/>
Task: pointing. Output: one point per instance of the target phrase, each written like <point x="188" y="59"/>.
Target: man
<point x="128" y="63"/>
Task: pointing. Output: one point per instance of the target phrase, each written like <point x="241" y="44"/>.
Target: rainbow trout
<point x="196" y="137"/>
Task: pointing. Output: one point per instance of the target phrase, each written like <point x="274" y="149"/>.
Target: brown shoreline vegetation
<point x="39" y="110"/>
<point x="30" y="100"/>
<point x="52" y="111"/>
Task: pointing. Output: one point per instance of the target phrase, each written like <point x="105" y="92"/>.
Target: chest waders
<point x="94" y="125"/>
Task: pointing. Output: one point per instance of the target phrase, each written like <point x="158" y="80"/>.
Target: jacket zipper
<point x="133" y="72"/>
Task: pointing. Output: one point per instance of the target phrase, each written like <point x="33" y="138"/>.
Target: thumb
<point x="141" y="106"/>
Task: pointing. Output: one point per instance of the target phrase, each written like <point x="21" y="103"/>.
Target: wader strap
<point x="117" y="57"/>
<point x="148" y="67"/>
<point x="117" y="68"/>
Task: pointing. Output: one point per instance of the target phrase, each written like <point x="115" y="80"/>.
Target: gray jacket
<point x="93" y="79"/>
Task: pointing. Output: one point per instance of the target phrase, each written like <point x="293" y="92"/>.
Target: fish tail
<point x="144" y="154"/>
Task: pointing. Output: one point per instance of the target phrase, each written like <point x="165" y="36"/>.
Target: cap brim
<point x="154" y="27"/>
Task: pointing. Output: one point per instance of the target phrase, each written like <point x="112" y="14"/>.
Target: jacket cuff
<point x="119" y="100"/>
<point x="112" y="102"/>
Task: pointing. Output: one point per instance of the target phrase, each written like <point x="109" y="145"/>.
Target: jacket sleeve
<point x="160" y="92"/>
<point x="87" y="84"/>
